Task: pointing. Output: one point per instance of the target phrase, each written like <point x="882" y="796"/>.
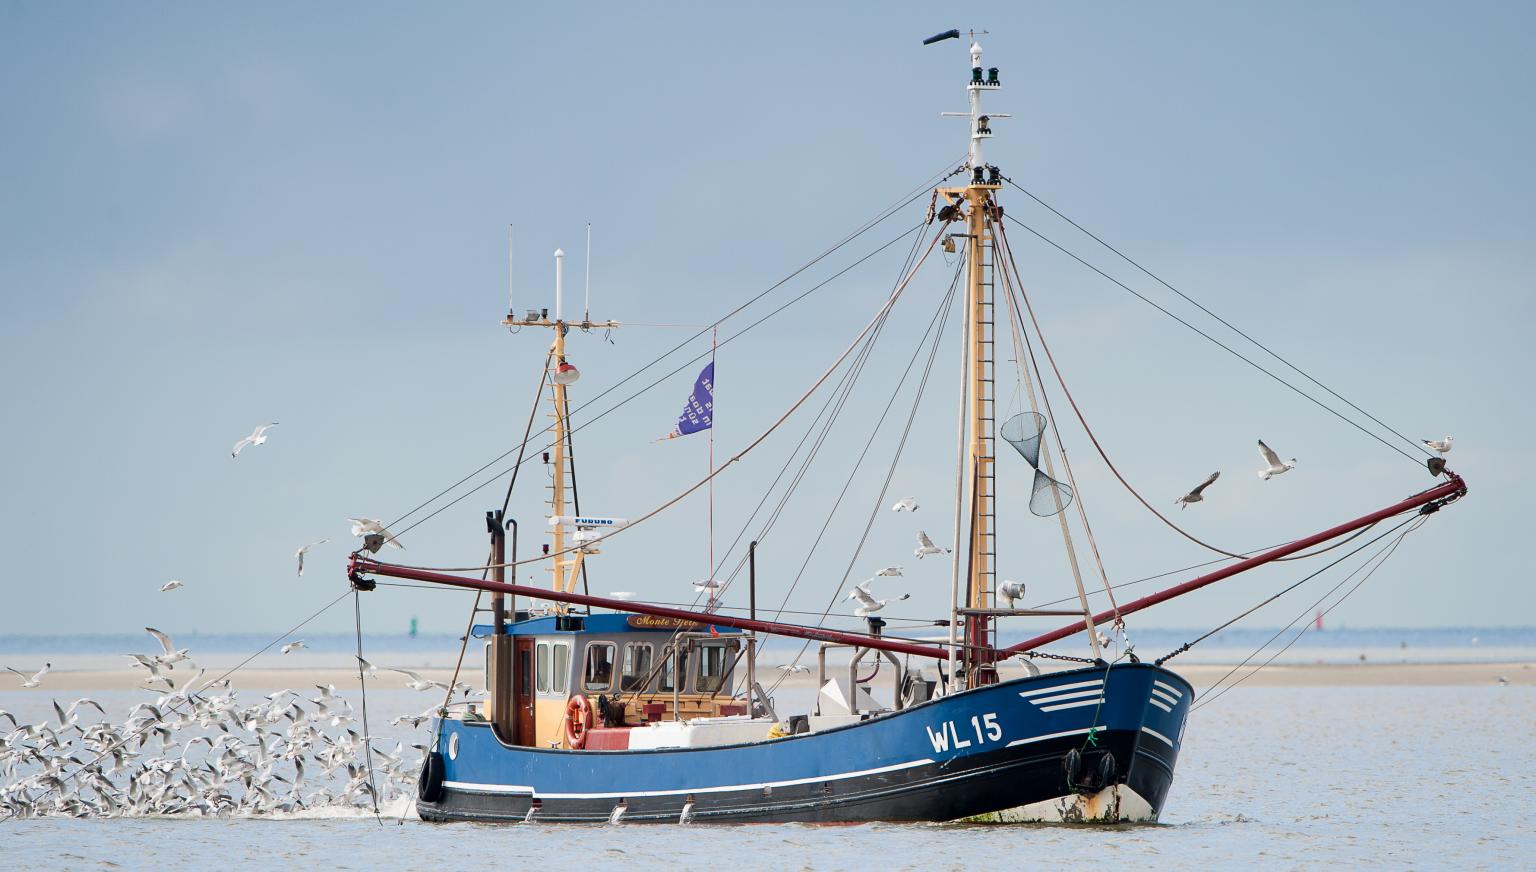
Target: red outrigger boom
<point x="1454" y="488"/>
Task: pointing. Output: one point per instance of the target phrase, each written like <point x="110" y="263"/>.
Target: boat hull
<point x="1090" y="744"/>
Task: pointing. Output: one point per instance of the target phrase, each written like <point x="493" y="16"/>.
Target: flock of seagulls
<point x="198" y="750"/>
<point x="863" y="594"/>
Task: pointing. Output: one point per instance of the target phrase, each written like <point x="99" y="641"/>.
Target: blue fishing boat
<point x="607" y="708"/>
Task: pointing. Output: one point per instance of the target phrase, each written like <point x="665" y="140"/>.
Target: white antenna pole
<point x="510" y="307"/>
<point x="559" y="283"/>
<point x="586" y="311"/>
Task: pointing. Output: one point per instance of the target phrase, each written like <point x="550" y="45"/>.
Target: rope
<point x="880" y="218"/>
<point x="1384" y="556"/>
<point x="1224" y="322"/>
<point x="939" y="321"/>
<point x="685" y="365"/>
<point x="1051" y="358"/>
<point x="836" y="364"/>
<point x="373" y="790"/>
<point x="1227" y="348"/>
<point x="1217" y="629"/>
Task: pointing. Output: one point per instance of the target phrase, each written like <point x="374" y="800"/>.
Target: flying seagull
<point x="32" y="681"/>
<point x="793" y="668"/>
<point x="170" y="585"/>
<point x="711" y="586"/>
<point x="1273" y="464"/>
<point x="416" y="682"/>
<point x="172" y="653"/>
<point x="366" y="667"/>
<point x="257" y="437"/>
<point x="889" y="570"/>
<point x="1441" y="445"/>
<point x="1010" y="591"/>
<point x="364" y="526"/>
<point x="925" y="546"/>
<point x="300" y="553"/>
<point x="293" y="646"/>
<point x="868" y="605"/>
<point x="1194" y="495"/>
<point x="908" y="504"/>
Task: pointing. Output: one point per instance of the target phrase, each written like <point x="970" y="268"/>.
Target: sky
<point x="218" y="216"/>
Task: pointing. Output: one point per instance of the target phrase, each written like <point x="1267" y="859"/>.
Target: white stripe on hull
<point x="473" y="787"/>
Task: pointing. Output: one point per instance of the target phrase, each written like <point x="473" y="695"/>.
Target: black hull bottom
<point x="1004" y="779"/>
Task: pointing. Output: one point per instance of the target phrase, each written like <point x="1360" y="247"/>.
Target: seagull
<point x="364" y="526"/>
<point x="889" y="570"/>
<point x="908" y="504"/>
<point x="172" y="654"/>
<point x="711" y="586"/>
<point x="1010" y="591"/>
<point x="1274" y="465"/>
<point x="170" y="585"/>
<point x="367" y="668"/>
<point x="1441" y="445"/>
<point x="1194" y="495"/>
<point x="34" y="680"/>
<point x="293" y="646"/>
<point x="793" y="668"/>
<point x="257" y="437"/>
<point x="300" y="553"/>
<point x="925" y="546"/>
<point x="416" y="682"/>
<point x="868" y="605"/>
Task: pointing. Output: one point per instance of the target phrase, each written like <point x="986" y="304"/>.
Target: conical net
<point x="1023" y="431"/>
<point x="1048" y="496"/>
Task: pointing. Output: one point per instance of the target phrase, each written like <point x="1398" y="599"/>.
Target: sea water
<point x="1270" y="777"/>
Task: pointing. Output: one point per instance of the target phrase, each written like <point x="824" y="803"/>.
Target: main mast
<point x="976" y="203"/>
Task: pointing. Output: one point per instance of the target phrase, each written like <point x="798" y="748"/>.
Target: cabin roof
<point x="604" y="624"/>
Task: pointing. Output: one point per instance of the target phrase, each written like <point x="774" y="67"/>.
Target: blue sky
<point x="218" y="216"/>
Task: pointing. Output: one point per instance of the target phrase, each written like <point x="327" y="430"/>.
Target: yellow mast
<point x="564" y="569"/>
<point x="976" y="202"/>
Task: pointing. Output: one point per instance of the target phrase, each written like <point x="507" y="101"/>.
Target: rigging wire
<point x="880" y="218"/>
<point x="940" y="321"/>
<point x="1224" y="322"/>
<point x="1067" y="392"/>
<point x="1230" y="350"/>
<point x="362" y="686"/>
<point x="858" y="340"/>
<point x="686" y="364"/>
<point x="1389" y="551"/>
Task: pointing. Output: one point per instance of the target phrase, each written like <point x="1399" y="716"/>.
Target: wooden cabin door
<point x="522" y="694"/>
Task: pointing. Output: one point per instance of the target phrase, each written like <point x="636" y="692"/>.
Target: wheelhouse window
<point x="671" y="668"/>
<point x="542" y="667"/>
<point x="637" y="666"/>
<point x="562" y="666"/>
<point x="713" y="661"/>
<point x="597" y="673"/>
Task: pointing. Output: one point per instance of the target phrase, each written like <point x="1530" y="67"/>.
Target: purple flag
<point x="699" y="413"/>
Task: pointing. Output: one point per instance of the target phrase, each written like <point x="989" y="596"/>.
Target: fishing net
<point x="1048" y="496"/>
<point x="1023" y="432"/>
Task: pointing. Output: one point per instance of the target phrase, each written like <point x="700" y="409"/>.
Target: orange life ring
<point x="578" y="721"/>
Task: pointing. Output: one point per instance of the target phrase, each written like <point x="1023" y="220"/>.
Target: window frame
<point x="586" y="664"/>
<point x="636" y="682"/>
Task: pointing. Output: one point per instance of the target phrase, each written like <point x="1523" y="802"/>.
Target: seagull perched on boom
<point x="364" y="526"/>
<point x="257" y="437"/>
<point x="868" y="605"/>
<point x="1273" y="464"/>
<point x="1194" y="495"/>
<point x="1441" y="445"/>
<point x="925" y="546"/>
<point x="908" y="504"/>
